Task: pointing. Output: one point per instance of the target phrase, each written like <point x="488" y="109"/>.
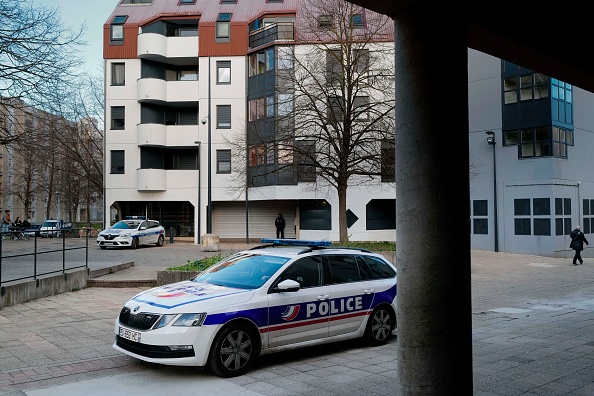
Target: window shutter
<point x="224" y="116"/>
<point x="117" y="161"/>
<point x="188" y="118"/>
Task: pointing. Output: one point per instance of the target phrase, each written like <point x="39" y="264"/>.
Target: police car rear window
<point x="379" y="268"/>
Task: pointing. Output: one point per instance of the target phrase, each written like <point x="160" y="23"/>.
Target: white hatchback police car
<point x="283" y="294"/>
<point x="132" y="232"/>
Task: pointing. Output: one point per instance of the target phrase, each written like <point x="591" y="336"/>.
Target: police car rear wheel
<point x="233" y="351"/>
<point x="379" y="326"/>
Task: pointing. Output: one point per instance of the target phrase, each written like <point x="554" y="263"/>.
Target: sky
<point x="93" y="14"/>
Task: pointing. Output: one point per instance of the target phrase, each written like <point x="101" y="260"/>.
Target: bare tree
<point x="36" y="52"/>
<point x="334" y="105"/>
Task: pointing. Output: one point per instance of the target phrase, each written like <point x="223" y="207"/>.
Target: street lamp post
<point x="209" y="165"/>
<point x="198" y="207"/>
<point x="491" y="141"/>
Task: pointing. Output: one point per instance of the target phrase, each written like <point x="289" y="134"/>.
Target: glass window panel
<point x="543" y="133"/>
<point x="526" y="94"/>
<point x="526" y="82"/>
<point x="270" y="106"/>
<point x="586" y="225"/>
<point x="586" y="204"/>
<point x="569" y="135"/>
<point x="567" y="206"/>
<point x="567" y="225"/>
<point x="527" y="150"/>
<point x="285" y="153"/>
<point x="223" y="29"/>
<point x="270" y="59"/>
<point x="592" y="206"/>
<point x="510" y="84"/>
<point x="527" y="135"/>
<point x="568" y="96"/>
<point x="559" y="226"/>
<point x="561" y="94"/>
<point x="522" y="207"/>
<point x="117" y="32"/>
<point x="542" y="226"/>
<point x="511" y="97"/>
<point x="555" y="92"/>
<point x="541" y="206"/>
<point x="285" y="104"/>
<point x="480" y="207"/>
<point x="285" y="57"/>
<point x="480" y="226"/>
<point x="511" y="138"/>
<point x="558" y="207"/>
<point x="188" y="75"/>
<point x="522" y="227"/>
<point x="541" y="91"/>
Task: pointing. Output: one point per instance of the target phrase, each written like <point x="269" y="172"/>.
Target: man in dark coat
<point x="279" y="223"/>
<point x="577" y="243"/>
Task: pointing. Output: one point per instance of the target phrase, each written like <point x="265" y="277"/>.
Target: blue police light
<point x="135" y="217"/>
<point x="297" y="242"/>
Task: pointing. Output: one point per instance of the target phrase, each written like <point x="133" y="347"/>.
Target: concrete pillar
<point x="432" y="201"/>
<point x="210" y="243"/>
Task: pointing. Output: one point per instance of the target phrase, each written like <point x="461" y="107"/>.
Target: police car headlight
<point x="125" y="234"/>
<point x="165" y="320"/>
<point x="190" y="319"/>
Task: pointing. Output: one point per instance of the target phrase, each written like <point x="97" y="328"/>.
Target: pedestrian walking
<point x="279" y="223"/>
<point x="6" y="222"/>
<point x="577" y="244"/>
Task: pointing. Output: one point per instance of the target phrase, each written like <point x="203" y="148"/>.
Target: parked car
<point x="53" y="228"/>
<point x="32" y="230"/>
<point x="132" y="232"/>
<point x="281" y="295"/>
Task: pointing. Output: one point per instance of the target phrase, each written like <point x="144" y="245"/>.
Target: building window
<point x="187" y="2"/>
<point x="117" y="29"/>
<point x="522" y="224"/>
<point x="325" y="22"/>
<point x="380" y="214"/>
<point x="541" y="207"/>
<point x="361" y="108"/>
<point x="224" y="26"/>
<point x="117" y="162"/>
<point x="118" y="74"/>
<point x="270" y="106"/>
<point x="357" y="21"/>
<point x="223" y="161"/>
<point x="224" y="116"/>
<point x="480" y="219"/>
<point x="118" y="117"/>
<point x="228" y="1"/>
<point x="539" y="141"/>
<point x="563" y="216"/>
<point x="285" y="58"/>
<point x="588" y="220"/>
<point x="306" y="166"/>
<point x="285" y="104"/>
<point x="527" y="87"/>
<point x="388" y="156"/>
<point x="335" y="108"/>
<point x="136" y="2"/>
<point x="223" y="72"/>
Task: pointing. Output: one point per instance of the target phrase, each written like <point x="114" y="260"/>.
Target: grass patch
<point x="374" y="246"/>
<point x="197" y="265"/>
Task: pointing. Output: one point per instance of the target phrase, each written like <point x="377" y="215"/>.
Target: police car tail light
<point x="165" y="320"/>
<point x="190" y="319"/>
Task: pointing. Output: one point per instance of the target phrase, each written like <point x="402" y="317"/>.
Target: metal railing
<point x="29" y="257"/>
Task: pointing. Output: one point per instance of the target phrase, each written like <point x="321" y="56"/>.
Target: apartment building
<point x="37" y="181"/>
<point x="203" y="128"/>
<point x="531" y="138"/>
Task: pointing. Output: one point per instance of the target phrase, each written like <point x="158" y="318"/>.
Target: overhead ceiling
<point x="551" y="38"/>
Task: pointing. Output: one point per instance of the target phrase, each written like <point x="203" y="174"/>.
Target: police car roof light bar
<point x="297" y="242"/>
<point x="135" y="217"/>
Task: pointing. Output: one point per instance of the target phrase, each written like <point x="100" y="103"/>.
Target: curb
<point x="121" y="283"/>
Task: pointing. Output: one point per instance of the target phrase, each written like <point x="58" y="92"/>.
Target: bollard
<point x="171" y="235"/>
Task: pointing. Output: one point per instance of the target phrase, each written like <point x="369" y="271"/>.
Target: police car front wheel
<point x="233" y="351"/>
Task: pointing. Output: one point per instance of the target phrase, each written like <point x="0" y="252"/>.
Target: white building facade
<point x="177" y="94"/>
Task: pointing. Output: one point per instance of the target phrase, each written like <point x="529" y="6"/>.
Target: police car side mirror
<point x="288" y="285"/>
<point x="142" y="228"/>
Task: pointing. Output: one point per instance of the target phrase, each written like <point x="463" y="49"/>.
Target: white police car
<point x="132" y="232"/>
<point x="283" y="294"/>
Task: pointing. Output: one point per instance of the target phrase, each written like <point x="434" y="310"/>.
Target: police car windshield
<point x="242" y="270"/>
<point x="122" y="225"/>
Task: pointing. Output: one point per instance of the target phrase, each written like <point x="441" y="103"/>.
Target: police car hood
<point x="115" y="231"/>
<point x="188" y="296"/>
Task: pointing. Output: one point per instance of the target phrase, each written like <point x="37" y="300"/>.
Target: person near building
<point x="577" y="244"/>
<point x="5" y="222"/>
<point x="18" y="223"/>
<point x="279" y="223"/>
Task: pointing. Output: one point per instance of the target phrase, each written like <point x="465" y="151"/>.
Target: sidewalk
<point x="532" y="331"/>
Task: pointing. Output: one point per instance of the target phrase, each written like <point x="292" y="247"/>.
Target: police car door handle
<point x="369" y="291"/>
<point x="323" y="297"/>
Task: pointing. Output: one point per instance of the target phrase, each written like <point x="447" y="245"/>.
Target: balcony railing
<point x="278" y="31"/>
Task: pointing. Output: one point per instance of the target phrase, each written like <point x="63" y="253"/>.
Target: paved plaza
<point x="533" y="334"/>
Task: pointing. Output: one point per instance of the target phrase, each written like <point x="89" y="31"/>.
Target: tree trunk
<point x="342" y="214"/>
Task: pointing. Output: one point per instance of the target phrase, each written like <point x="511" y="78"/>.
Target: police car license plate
<point x="129" y="334"/>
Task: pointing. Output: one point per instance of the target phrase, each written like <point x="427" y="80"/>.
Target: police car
<point x="280" y="295"/>
<point x="132" y="232"/>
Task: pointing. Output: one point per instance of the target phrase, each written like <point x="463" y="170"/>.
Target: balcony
<point x="174" y="50"/>
<point x="154" y="90"/>
<point x="151" y="180"/>
<point x="282" y="31"/>
<point x="166" y="135"/>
